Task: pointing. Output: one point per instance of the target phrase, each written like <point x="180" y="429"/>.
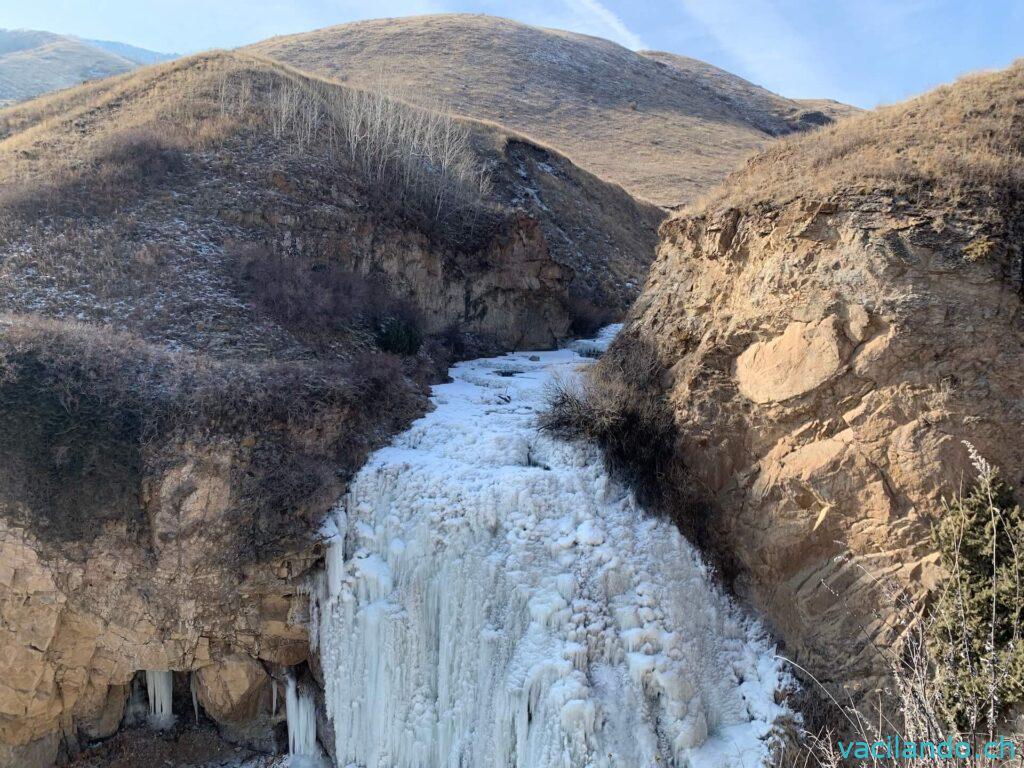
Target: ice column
<point x="159" y="687"/>
<point x="301" y="713"/>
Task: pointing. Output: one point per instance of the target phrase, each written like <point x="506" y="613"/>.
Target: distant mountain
<point x="665" y="127"/>
<point x="33" y="62"/>
<point x="140" y="56"/>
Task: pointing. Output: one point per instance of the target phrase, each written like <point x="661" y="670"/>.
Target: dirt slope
<point x="664" y="127"/>
<point x="827" y="328"/>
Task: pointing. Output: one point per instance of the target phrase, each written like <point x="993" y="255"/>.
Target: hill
<point x="140" y="56"/>
<point x="34" y="62"/>
<point x="224" y="283"/>
<point x="820" y="347"/>
<point x="664" y="127"/>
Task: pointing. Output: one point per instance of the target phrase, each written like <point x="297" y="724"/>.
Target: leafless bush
<point x="416" y="161"/>
<point x="620" y="406"/>
<point x="120" y="167"/>
<point x="320" y="297"/>
<point x="317" y="297"/>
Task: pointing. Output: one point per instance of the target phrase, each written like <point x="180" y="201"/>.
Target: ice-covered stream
<point x="493" y="599"/>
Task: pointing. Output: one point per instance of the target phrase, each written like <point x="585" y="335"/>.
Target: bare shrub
<point x="132" y="160"/>
<point x="121" y="166"/>
<point x="415" y="161"/>
<point x="620" y="406"/>
<point x="300" y="293"/>
<point x="314" y="298"/>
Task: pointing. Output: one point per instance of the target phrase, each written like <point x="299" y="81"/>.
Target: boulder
<point x="231" y="689"/>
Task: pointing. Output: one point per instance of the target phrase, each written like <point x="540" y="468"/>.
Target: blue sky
<point x="864" y="52"/>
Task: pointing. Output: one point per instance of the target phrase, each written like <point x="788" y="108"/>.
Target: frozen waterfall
<point x="493" y="599"/>
<point x="300" y="712"/>
<point x="159" y="689"/>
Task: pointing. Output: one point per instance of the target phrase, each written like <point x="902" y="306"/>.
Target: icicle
<point x="195" y="695"/>
<point x="301" y="713"/>
<point x="159" y="689"/>
<point x="492" y="598"/>
<point x="273" y="697"/>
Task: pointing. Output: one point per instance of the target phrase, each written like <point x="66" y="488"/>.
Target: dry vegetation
<point x="418" y="163"/>
<point x="666" y="133"/>
<point x="180" y="261"/>
<point x="194" y="340"/>
<point x="957" y="145"/>
<point x="90" y="413"/>
<point x="956" y="675"/>
<point x="620" y="405"/>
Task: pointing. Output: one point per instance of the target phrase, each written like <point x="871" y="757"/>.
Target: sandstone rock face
<point x="75" y="630"/>
<point x="824" y="366"/>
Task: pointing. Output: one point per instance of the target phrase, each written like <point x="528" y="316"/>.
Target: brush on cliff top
<point x="960" y="145"/>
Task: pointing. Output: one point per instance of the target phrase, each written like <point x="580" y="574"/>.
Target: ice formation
<point x="492" y="598"/>
<point x="300" y="711"/>
<point x="195" y="695"/>
<point x="159" y="688"/>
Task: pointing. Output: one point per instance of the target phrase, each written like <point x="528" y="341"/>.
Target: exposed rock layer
<point x="824" y="364"/>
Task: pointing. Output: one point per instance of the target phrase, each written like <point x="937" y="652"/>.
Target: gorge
<point x="493" y="598"/>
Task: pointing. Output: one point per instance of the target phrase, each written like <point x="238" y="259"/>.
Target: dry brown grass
<point x="90" y="413"/>
<point x="181" y="140"/>
<point x="960" y="145"/>
<point x="84" y="151"/>
<point x="664" y="132"/>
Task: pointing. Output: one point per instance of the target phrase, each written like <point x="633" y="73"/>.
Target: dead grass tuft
<point x="620" y="406"/>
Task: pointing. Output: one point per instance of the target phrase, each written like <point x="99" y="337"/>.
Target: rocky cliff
<point x="214" y="314"/>
<point x="828" y="331"/>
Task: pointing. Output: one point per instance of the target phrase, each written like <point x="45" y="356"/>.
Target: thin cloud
<point x="607" y="21"/>
<point x="758" y="37"/>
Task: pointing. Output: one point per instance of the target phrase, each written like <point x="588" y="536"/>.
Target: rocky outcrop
<point x="75" y="632"/>
<point x="512" y="290"/>
<point x="824" y="364"/>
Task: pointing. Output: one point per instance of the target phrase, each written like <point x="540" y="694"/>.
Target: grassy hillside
<point x="224" y="249"/>
<point x="664" y="127"/>
<point x="957" y="146"/>
<point x="33" y="62"/>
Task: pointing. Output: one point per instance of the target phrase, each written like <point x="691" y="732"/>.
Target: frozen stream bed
<point x="492" y="598"/>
